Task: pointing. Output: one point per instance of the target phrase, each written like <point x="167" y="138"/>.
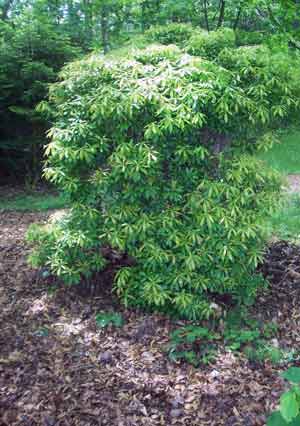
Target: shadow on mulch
<point x="57" y="368"/>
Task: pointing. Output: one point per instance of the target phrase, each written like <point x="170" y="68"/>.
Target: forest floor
<point x="57" y="368"/>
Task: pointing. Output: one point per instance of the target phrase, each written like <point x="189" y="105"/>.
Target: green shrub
<point x="151" y="158"/>
<point x="245" y="57"/>
<point x="104" y="319"/>
<point x="278" y="42"/>
<point x="237" y="332"/>
<point x="157" y="53"/>
<point x="265" y="352"/>
<point x="248" y="38"/>
<point x="245" y="334"/>
<point x="210" y="44"/>
<point x="271" y="79"/>
<point x="175" y="33"/>
<point x="193" y="344"/>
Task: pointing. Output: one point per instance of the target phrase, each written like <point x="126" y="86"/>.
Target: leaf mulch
<point x="58" y="369"/>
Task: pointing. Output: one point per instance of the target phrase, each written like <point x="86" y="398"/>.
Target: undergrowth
<point x="105" y="319"/>
<point x="238" y="333"/>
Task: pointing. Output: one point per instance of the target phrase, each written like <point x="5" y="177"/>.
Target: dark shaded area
<point x="32" y="52"/>
<point x="282" y="263"/>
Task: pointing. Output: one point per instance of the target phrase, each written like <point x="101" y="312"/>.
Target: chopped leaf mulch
<point x="58" y="368"/>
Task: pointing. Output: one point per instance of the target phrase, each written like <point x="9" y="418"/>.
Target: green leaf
<point x="295" y="422"/>
<point x="104" y="319"/>
<point x="276" y="419"/>
<point x="289" y="406"/>
<point x="292" y="375"/>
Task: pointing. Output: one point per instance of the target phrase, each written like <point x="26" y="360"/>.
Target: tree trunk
<point x="222" y="14"/>
<point x="104" y="29"/>
<point x="206" y="16"/>
<point x="238" y="17"/>
<point x="87" y="7"/>
<point x="144" y="6"/>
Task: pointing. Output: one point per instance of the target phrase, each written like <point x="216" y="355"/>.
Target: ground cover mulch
<point x="57" y="368"/>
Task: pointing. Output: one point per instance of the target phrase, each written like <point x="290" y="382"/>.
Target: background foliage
<point x="29" y="60"/>
<point x="38" y="37"/>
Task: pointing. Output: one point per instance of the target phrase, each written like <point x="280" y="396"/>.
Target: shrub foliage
<point x="177" y="33"/>
<point x="248" y="38"/>
<point x="210" y="44"/>
<point x="154" y="154"/>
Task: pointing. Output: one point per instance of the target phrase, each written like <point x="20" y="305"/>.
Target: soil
<point x="57" y="368"/>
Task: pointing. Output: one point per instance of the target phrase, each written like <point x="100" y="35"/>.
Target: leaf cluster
<point x="104" y="319"/>
<point x="193" y="344"/>
<point x="173" y="33"/>
<point x="237" y="332"/>
<point x="210" y="44"/>
<point x="289" y="408"/>
<point x="155" y="154"/>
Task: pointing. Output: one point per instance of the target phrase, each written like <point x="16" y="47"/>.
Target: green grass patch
<point x="285" y="222"/>
<point x="34" y="202"/>
<point x="285" y="156"/>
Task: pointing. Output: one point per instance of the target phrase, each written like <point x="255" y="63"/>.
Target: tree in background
<point x="32" y="51"/>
